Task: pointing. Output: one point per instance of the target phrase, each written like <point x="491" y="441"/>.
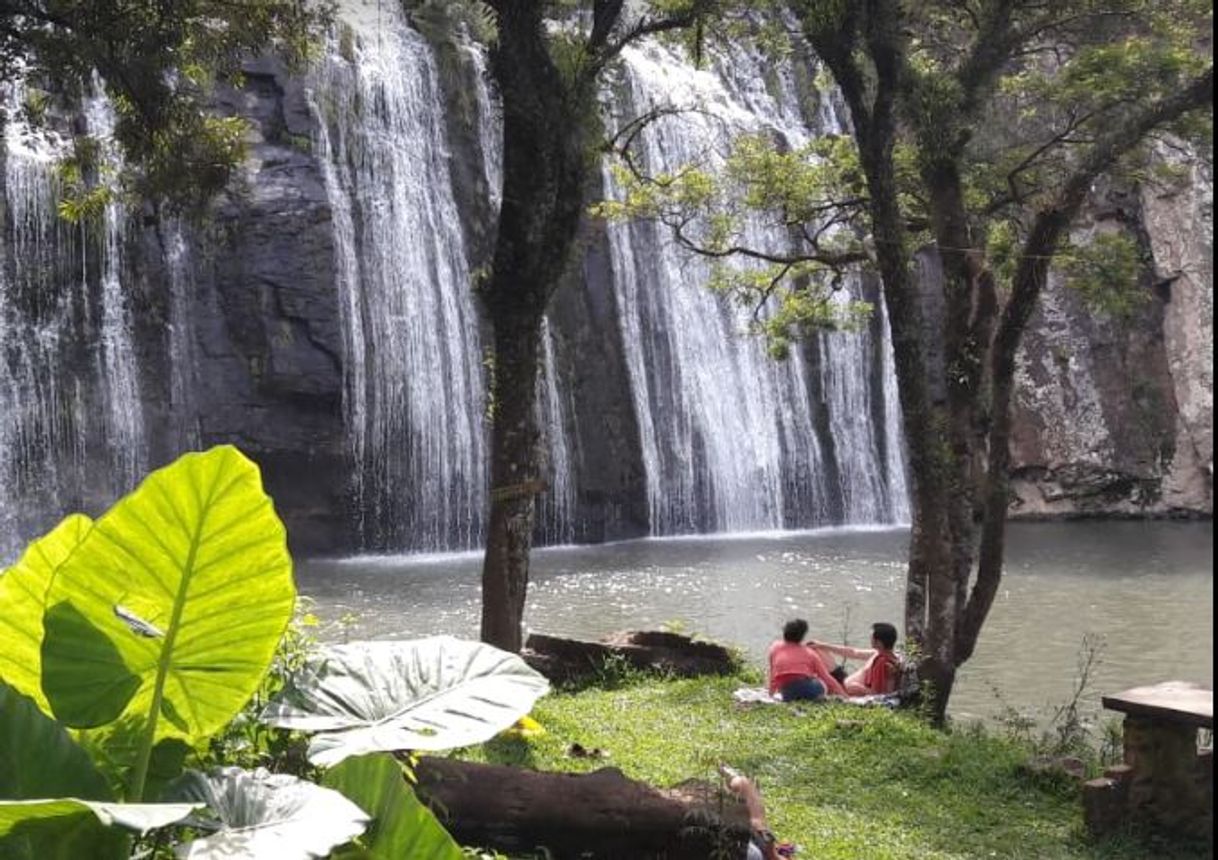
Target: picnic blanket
<point x="761" y="696"/>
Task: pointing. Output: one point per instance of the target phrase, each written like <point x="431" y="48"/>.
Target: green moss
<point x="301" y="143"/>
<point x="842" y="782"/>
<point x="346" y="42"/>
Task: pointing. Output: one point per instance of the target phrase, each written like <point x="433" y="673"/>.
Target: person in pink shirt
<point x="796" y="672"/>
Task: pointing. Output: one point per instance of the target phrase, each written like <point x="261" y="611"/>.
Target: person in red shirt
<point x="796" y="672"/>
<point x="880" y="673"/>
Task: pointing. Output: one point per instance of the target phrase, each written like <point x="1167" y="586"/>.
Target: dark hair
<point x="886" y="633"/>
<point x="795" y="631"/>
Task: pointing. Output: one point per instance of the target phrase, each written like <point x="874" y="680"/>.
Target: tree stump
<point x="1104" y="805"/>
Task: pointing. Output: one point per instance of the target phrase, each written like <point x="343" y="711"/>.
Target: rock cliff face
<point x="1179" y="221"/>
<point x="260" y="363"/>
<point x="238" y="335"/>
<point x="1115" y="417"/>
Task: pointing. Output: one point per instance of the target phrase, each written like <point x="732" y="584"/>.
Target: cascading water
<point x="183" y="353"/>
<point x="414" y="391"/>
<point x="894" y="437"/>
<point x="71" y="427"/>
<point x="557" y="508"/>
<point x="118" y="383"/>
<point x="729" y="437"/>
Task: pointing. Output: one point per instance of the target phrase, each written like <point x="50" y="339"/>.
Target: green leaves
<point x="429" y="694"/>
<point x="139" y="817"/>
<point x="159" y="62"/>
<point x="263" y="815"/>
<point x="53" y="801"/>
<point x="38" y="759"/>
<point x="23" y="589"/>
<point x="1106" y="271"/>
<point x="402" y="826"/>
<point x="172" y="606"/>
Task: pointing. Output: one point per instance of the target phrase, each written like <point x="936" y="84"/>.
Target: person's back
<point x="788" y="662"/>
<point x="795" y="670"/>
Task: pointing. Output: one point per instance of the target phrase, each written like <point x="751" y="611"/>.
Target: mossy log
<point x="573" y="660"/>
<point x="599" y="816"/>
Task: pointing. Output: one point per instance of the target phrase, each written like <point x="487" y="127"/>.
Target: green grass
<point x="880" y="785"/>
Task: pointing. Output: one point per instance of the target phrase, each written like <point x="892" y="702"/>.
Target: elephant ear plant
<point x="149" y="630"/>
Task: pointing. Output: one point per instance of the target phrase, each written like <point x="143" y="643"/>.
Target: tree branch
<point x="609" y="48"/>
<point x="1031" y="274"/>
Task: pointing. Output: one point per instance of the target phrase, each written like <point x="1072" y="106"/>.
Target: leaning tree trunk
<point x="515" y="479"/>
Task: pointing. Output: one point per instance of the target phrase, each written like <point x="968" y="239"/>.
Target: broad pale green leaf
<point x="16" y="815"/>
<point x="190" y="581"/>
<point x="23" y="591"/>
<point x="264" y="816"/>
<point x="426" y="694"/>
<point x="401" y="825"/>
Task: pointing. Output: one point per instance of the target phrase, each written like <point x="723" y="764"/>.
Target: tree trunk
<point x="515" y="479"/>
<point x="545" y="162"/>
<point x="930" y="587"/>
<point x="600" y="815"/>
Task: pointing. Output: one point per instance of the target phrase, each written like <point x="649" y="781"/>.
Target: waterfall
<point x="895" y="465"/>
<point x="557" y="508"/>
<point x="730" y="439"/>
<point x="183" y="353"/>
<point x="848" y="380"/>
<point x="71" y="425"/>
<point x="119" y="386"/>
<point x="414" y="393"/>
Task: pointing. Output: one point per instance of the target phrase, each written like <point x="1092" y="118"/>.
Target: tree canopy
<point x="157" y="61"/>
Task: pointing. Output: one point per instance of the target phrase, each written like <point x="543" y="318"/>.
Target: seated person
<point x="796" y="672"/>
<point x="880" y="673"/>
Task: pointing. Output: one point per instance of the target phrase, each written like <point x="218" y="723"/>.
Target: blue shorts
<point x="802" y="689"/>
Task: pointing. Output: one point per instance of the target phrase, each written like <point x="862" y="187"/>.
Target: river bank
<point x="841" y="782"/>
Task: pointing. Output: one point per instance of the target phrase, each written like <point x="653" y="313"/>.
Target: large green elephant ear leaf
<point x="427" y="694"/>
<point x="38" y="759"/>
<point x="264" y="816"/>
<point x="170" y="610"/>
<point x="53" y="802"/>
<point x="23" y="591"/>
<point x="401" y="825"/>
<point x="68" y="827"/>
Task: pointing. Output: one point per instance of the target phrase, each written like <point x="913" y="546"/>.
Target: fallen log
<point x="566" y="661"/>
<point x="595" y="816"/>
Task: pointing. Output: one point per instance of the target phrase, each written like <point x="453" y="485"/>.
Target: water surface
<point x="1145" y="589"/>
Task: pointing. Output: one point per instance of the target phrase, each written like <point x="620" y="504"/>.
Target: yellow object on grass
<point x="525" y="727"/>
